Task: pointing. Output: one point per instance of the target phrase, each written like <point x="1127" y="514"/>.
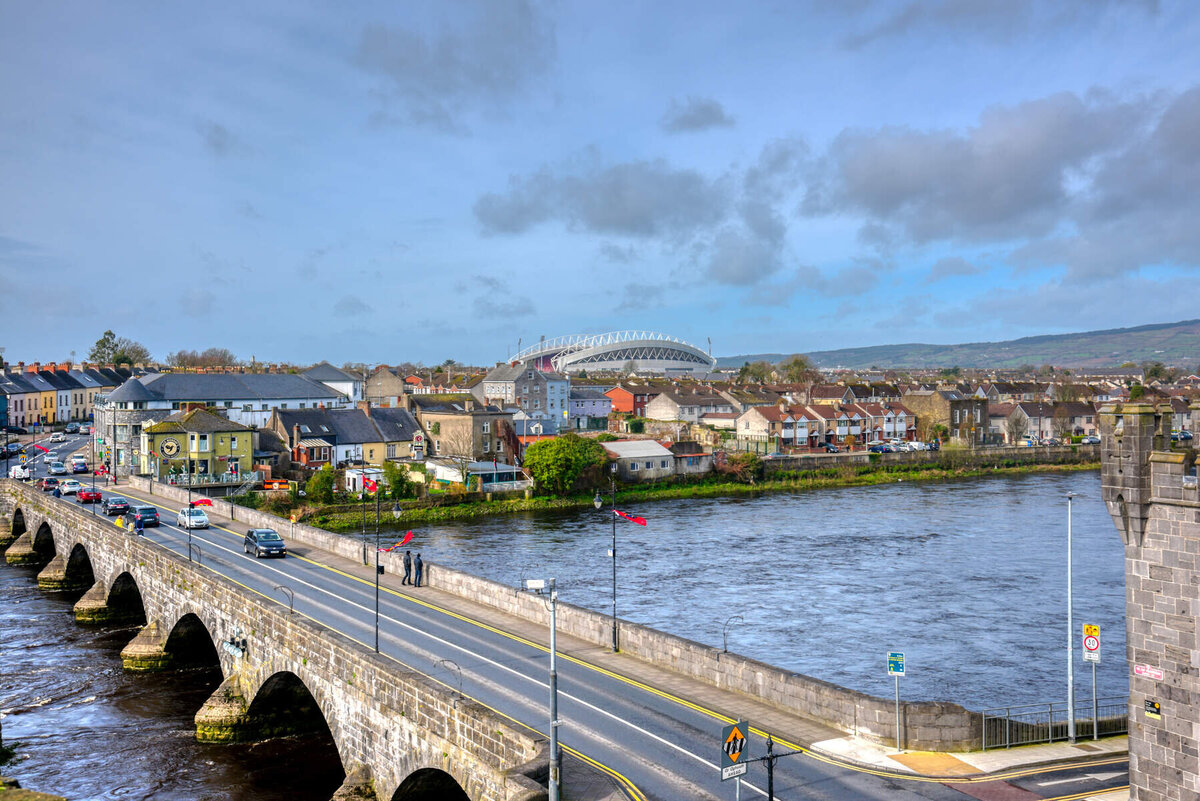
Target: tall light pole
<point x="1070" y="634"/>
<point x="549" y="586"/>
<point x="598" y="502"/>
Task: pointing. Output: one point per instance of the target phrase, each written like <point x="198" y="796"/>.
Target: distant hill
<point x="1174" y="344"/>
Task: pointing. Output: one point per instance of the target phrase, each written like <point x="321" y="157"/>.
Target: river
<point x="967" y="578"/>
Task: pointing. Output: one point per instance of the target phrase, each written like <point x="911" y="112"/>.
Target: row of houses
<point x="45" y="395"/>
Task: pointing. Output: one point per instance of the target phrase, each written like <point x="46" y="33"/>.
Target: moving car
<point x="114" y="506"/>
<point x="88" y="495"/>
<point x="72" y="428"/>
<point x="147" y="514"/>
<point x="78" y="466"/>
<point x="46" y="484"/>
<point x="57" y="469"/>
<point x="58" y="436"/>
<point x="20" y="472"/>
<point x="191" y="518"/>
<point x="264" y="542"/>
<point x="69" y="487"/>
<point x="84" y="428"/>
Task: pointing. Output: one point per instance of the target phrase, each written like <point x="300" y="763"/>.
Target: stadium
<point x="647" y="350"/>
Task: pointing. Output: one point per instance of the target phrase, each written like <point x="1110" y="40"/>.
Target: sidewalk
<point x="784" y="726"/>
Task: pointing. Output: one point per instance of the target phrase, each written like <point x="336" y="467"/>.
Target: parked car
<point x="84" y="428"/>
<point x="264" y="542"/>
<point x="934" y="445"/>
<point x="88" y="495"/>
<point x="1185" y="435"/>
<point x="46" y="484"/>
<point x="1089" y="440"/>
<point x="776" y="455"/>
<point x="114" y="506"/>
<point x="881" y="447"/>
<point x="72" y="428"/>
<point x="20" y="472"/>
<point x="15" y="447"/>
<point x="16" y="430"/>
<point x="147" y="514"/>
<point x="191" y="518"/>
<point x="69" y="487"/>
<point x="829" y="447"/>
<point x="57" y="469"/>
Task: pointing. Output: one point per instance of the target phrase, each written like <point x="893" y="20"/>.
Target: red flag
<point x="641" y="521"/>
<point x="369" y="485"/>
<point x="202" y="502"/>
<point x="404" y="541"/>
<point x="40" y="448"/>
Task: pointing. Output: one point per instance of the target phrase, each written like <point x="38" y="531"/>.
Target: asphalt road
<point x="654" y="745"/>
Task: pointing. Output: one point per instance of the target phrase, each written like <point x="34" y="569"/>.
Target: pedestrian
<point x="138" y="525"/>
<point x="407" y="568"/>
<point x="57" y="492"/>
<point x="120" y="521"/>
<point x="420" y="566"/>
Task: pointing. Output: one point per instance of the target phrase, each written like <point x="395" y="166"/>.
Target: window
<point x="301" y="404"/>
<point x="977" y="412"/>
<point x="437" y="446"/>
<point x="203" y="445"/>
<point x="530" y="376"/>
<point x="487" y="446"/>
<point x="371" y="453"/>
<point x="537" y="403"/>
<point x="264" y="407"/>
<point x="649" y="465"/>
<point x="633" y="466"/>
<point x="664" y="464"/>
<point x="487" y="427"/>
<point x="281" y="406"/>
<point x="956" y="415"/>
<point x="391" y="451"/>
<point x="499" y="446"/>
<point x="228" y="404"/>
<point x="233" y="443"/>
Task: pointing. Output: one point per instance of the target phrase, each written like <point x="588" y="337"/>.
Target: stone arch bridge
<point x="399" y="734"/>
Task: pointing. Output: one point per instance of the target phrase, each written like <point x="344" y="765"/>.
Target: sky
<point x="421" y="181"/>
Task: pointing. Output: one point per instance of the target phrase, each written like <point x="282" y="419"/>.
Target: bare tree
<point x="1060" y="423"/>
<point x="458" y="445"/>
<point x="1016" y="426"/>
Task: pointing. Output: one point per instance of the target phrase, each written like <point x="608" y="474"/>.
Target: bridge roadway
<point x="654" y="734"/>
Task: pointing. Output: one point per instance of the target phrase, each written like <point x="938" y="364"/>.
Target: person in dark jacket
<point x="407" y="568"/>
<point x="420" y="566"/>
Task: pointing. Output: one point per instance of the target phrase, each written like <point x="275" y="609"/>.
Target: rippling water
<point x="85" y="729"/>
<point x="967" y="578"/>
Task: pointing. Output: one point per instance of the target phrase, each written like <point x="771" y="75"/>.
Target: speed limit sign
<point x="1091" y="643"/>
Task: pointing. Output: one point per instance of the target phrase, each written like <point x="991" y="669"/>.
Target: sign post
<point x="895" y="665"/>
<point x="1091" y="653"/>
<point x="733" y="745"/>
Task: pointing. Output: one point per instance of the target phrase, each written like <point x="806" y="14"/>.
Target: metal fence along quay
<point x="1006" y="726"/>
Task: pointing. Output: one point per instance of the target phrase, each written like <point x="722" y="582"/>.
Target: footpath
<point x="971" y="773"/>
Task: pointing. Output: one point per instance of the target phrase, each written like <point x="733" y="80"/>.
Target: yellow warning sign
<point x="734" y="744"/>
<point x="1091" y="631"/>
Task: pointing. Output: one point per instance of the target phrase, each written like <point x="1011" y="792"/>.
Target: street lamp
<point x="1070" y="634"/>
<point x="550" y="587"/>
<point x="598" y="502"/>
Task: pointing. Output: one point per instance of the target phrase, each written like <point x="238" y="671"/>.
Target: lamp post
<point x="1070" y="634"/>
<point x="598" y="502"/>
<point x="549" y="587"/>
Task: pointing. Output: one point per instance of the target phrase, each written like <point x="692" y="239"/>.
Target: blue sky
<point x="420" y="181"/>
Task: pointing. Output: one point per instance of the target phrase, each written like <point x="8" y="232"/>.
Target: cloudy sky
<point x="430" y="180"/>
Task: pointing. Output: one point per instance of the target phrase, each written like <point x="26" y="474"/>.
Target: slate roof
<point x="223" y="386"/>
<point x="350" y="426"/>
<point x="132" y="391"/>
<point x="15" y="384"/>
<point x="579" y="394"/>
<point x="327" y="372"/>
<point x="194" y="420"/>
<point x="60" y="380"/>
<point x="636" y="449"/>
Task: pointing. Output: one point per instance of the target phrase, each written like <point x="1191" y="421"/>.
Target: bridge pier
<point x="358" y="786"/>
<point x="21" y="551"/>
<point x="55" y="577"/>
<point x="225" y="716"/>
<point x="93" y="609"/>
<point x="6" y="535"/>
<point x="146" y="653"/>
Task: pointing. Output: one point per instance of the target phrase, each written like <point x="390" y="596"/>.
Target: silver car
<point x="191" y="518"/>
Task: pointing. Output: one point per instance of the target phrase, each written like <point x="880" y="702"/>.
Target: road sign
<point x="1091" y="643"/>
<point x="733" y="745"/>
<point x="895" y="662"/>
<point x="1148" y="672"/>
<point x="1153" y="709"/>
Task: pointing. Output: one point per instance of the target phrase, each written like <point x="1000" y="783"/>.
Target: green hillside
<point x="1174" y="344"/>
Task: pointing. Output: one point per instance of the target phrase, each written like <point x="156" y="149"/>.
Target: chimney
<point x="295" y="435"/>
<point x="365" y="406"/>
<point x="52" y="366"/>
<point x="36" y="368"/>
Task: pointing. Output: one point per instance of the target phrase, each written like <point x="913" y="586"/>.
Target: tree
<point x="744" y="467"/>
<point x="798" y="369"/>
<point x="1137" y="392"/>
<point x="755" y="373"/>
<point x="111" y="349"/>
<point x="321" y="486"/>
<point x="950" y="372"/>
<point x="1016" y="426"/>
<point x="211" y="357"/>
<point x="398" y="481"/>
<point x="1060" y="422"/>
<point x="558" y="465"/>
<point x="458" y="445"/>
<point x="1154" y="370"/>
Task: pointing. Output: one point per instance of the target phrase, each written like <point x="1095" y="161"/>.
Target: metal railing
<point x="198" y="479"/>
<point x="1006" y="726"/>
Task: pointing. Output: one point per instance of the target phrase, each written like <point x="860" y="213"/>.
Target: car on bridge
<point x="88" y="495"/>
<point x="46" y="484"/>
<point x="114" y="506"/>
<point x="191" y="518"/>
<point x="57" y="469"/>
<point x="69" y="487"/>
<point x="264" y="542"/>
<point x="148" y="516"/>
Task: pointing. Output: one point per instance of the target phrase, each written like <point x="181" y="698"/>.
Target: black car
<point x="830" y="447"/>
<point x="147" y="514"/>
<point x="114" y="506"/>
<point x="15" y="430"/>
<point x="264" y="542"/>
<point x="72" y="428"/>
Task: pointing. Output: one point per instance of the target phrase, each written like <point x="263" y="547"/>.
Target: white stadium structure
<point x="649" y="351"/>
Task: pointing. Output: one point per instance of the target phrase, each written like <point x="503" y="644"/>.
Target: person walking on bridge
<point x="420" y="566"/>
<point x="407" y="568"/>
<point x="138" y="525"/>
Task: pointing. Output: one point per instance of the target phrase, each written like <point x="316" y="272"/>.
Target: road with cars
<point x="652" y="744"/>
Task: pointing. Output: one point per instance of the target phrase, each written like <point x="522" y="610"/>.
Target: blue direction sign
<point x="733" y="746"/>
<point x="895" y="663"/>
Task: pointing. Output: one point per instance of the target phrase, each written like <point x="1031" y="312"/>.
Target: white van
<point x="20" y="472"/>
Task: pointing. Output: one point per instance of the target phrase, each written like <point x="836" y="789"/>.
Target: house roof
<point x="635" y="449"/>
<point x="224" y="386"/>
<point x="350" y="426"/>
<point x="327" y="372"/>
<point x="132" y="391"/>
<point x="194" y="420"/>
<point x="578" y="393"/>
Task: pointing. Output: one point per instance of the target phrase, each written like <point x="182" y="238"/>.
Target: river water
<point x="967" y="578"/>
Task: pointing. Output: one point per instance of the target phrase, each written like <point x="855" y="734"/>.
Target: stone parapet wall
<point x="949" y="458"/>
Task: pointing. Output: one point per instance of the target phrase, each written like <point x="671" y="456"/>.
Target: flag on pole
<point x="405" y="541"/>
<point x="641" y="521"/>
<point x="40" y="448"/>
<point x="369" y="485"/>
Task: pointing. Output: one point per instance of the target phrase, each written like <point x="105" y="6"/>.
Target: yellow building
<point x="197" y="446"/>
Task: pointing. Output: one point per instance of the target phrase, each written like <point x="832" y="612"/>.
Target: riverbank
<point x="710" y="487"/>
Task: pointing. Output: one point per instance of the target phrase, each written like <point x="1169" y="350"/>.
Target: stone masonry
<point x="1151" y="492"/>
<point x="387" y="722"/>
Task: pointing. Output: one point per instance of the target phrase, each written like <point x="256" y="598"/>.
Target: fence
<point x="209" y="479"/>
<point x="1006" y="726"/>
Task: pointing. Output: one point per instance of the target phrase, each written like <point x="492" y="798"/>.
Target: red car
<point x="88" y="496"/>
<point x="46" y="484"/>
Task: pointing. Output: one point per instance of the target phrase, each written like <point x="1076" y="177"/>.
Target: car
<point x="46" y="484"/>
<point x="1050" y="441"/>
<point x="1185" y="435"/>
<point x="20" y="472"/>
<point x="777" y="455"/>
<point x="147" y="514"/>
<point x="933" y="446"/>
<point x="882" y="447"/>
<point x="58" y="436"/>
<point x="114" y="506"/>
<point x="264" y="542"/>
<point x="78" y="466"/>
<point x="16" y="430"/>
<point x="829" y="447"/>
<point x="57" y="469"/>
<point x="72" y="428"/>
<point x="1089" y="440"/>
<point x="84" y="428"/>
<point x="88" y="495"/>
<point x="69" y="487"/>
<point x="191" y="518"/>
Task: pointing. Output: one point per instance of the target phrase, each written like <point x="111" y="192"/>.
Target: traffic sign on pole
<point x="1091" y="643"/>
<point x="895" y="662"/>
<point x="733" y="745"/>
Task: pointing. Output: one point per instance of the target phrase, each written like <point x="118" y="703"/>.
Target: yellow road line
<point x="1088" y="794"/>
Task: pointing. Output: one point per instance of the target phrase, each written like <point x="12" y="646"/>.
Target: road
<point x="654" y="745"/>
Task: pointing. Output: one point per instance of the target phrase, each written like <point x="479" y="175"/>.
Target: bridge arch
<point x="285" y="706"/>
<point x="79" y="571"/>
<point x="191" y="644"/>
<point x="18" y="523"/>
<point x="430" y="784"/>
<point x="43" y="545"/>
<point x="125" y="600"/>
